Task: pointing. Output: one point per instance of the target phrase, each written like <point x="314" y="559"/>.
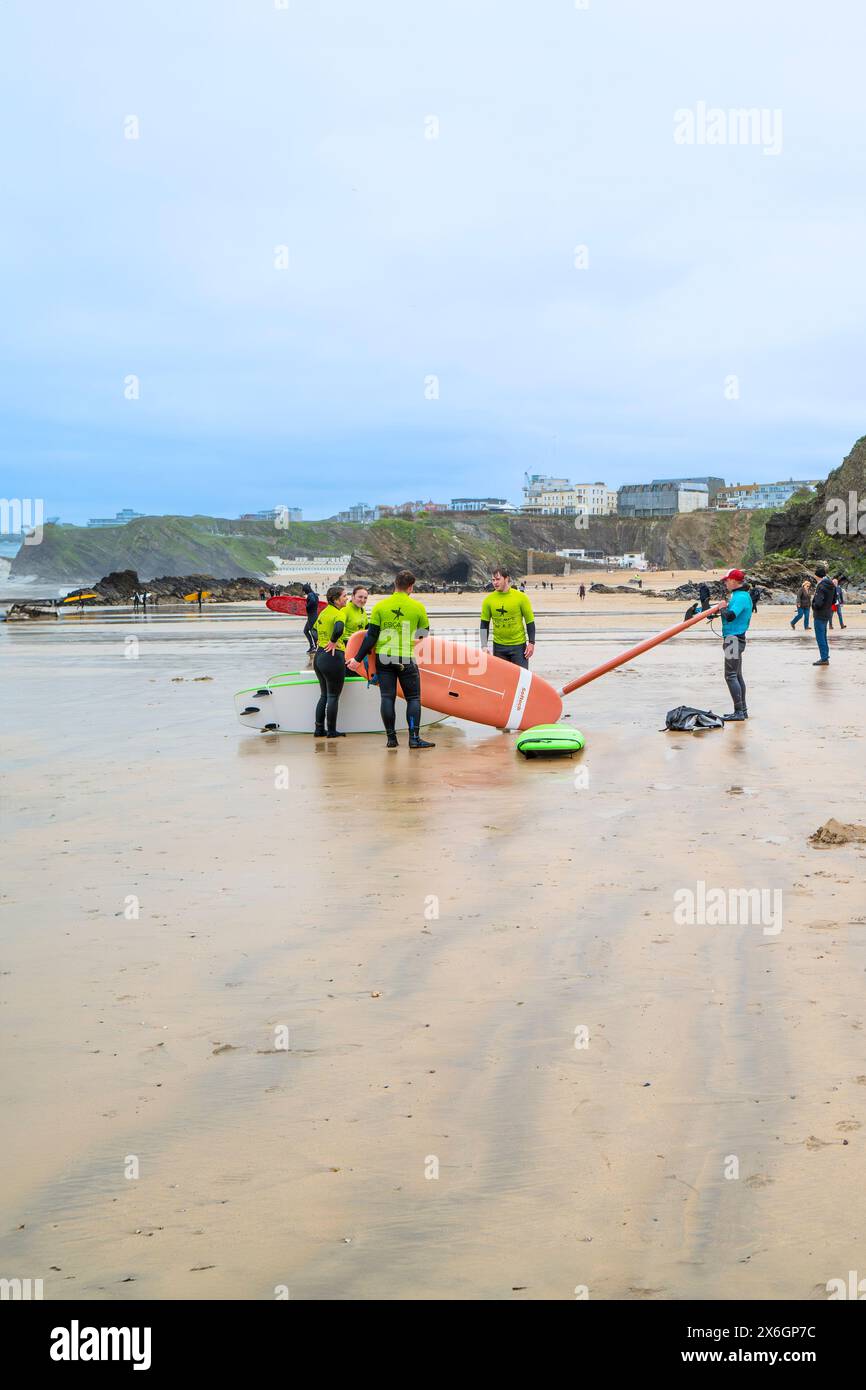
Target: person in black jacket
<point x="822" y="608"/>
<point x="838" y="580"/>
<point x="312" y="605"/>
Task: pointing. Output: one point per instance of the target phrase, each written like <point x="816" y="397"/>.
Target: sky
<point x="411" y="249"/>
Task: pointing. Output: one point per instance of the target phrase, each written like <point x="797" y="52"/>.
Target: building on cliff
<point x="749" y="497"/>
<point x="662" y="498"/>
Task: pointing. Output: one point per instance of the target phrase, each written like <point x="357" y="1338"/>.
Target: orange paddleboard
<point x="474" y="684"/>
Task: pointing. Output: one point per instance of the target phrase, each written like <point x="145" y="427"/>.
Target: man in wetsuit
<point x="735" y="617"/>
<point x="311" y="599"/>
<point x="394" y="624"/>
<point x="513" y="621"/>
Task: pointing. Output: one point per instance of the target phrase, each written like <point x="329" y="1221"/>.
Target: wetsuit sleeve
<point x="485" y="629"/>
<point x="530" y="632"/>
<point x="371" y="637"/>
<point x="337" y="631"/>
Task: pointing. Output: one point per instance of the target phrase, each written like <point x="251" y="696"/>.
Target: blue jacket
<point x="740" y="605"/>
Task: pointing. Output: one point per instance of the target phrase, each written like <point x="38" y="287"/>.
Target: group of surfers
<point x="391" y="631"/>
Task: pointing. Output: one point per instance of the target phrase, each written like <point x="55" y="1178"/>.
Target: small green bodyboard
<point x="552" y="739"/>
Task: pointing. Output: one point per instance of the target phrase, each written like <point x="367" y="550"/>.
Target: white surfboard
<point x="286" y="704"/>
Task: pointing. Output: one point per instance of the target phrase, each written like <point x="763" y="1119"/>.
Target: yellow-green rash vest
<point x="324" y="626"/>
<point x="399" y="618"/>
<point x="354" y="617"/>
<point x="508" y="613"/>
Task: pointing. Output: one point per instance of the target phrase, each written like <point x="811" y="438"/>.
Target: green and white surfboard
<point x="287" y="704"/>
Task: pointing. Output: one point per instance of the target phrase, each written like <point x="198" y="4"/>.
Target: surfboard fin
<point x="251" y="709"/>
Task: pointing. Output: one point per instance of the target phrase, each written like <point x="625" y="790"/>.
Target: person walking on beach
<point x="513" y="621"/>
<point x="200" y="597"/>
<point x="394" y="625"/>
<point x="582" y="592"/>
<point x="735" y="616"/>
<point x="135" y="601"/>
<point x="311" y="600"/>
<point x="838" y="580"/>
<point x="822" y="610"/>
<point x="804" y="600"/>
<point x="329" y="662"/>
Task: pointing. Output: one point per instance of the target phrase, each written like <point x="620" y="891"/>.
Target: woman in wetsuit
<point x="329" y="662"/>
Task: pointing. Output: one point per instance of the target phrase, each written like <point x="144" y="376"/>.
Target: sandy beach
<point x="510" y="1072"/>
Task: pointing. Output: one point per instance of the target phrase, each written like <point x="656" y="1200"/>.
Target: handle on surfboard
<point x="641" y="647"/>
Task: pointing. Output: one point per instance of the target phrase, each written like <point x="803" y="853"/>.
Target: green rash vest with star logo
<point x="399" y="618"/>
<point x="508" y="613"/>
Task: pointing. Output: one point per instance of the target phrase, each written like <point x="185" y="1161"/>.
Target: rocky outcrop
<point x="830" y="524"/>
<point x="122" y="586"/>
<point x="30" y="610"/>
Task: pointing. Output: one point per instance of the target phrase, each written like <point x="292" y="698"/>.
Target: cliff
<point x="453" y="548"/>
<point x="830" y="524"/>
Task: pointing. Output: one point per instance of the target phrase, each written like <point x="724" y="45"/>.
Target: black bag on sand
<point x="687" y="720"/>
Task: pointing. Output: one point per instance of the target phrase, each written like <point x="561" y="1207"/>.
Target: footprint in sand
<point x="848" y="1126"/>
<point x="758" y="1180"/>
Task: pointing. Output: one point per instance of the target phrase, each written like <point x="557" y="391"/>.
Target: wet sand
<point x="414" y="1036"/>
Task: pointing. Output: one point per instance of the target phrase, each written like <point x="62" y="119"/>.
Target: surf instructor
<point x="735" y="616"/>
<point x="395" y="623"/>
<point x="513" y="621"/>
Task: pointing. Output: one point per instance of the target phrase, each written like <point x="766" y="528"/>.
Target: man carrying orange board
<point x="395" y="623"/>
<point x="513" y="621"/>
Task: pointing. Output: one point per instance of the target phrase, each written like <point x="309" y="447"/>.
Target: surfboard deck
<point x="472" y="684"/>
<point x="293" y="605"/>
<point x="291" y="704"/>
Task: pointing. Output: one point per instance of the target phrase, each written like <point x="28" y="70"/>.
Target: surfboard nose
<point x="543" y="704"/>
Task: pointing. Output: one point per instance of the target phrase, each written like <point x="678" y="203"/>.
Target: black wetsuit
<point x="389" y="672"/>
<point x="312" y="614"/>
<point x="330" y="669"/>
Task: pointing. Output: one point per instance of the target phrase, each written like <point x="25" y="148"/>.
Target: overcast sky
<point x="713" y="322"/>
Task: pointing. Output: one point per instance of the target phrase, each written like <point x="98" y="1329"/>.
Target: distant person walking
<point x="804" y="602"/>
<point x="736" y="616"/>
<point x="822" y="611"/>
<point x="838" y="579"/>
<point x="312" y="607"/>
<point x="136" y="601"/>
<point x="200" y="597"/>
<point x="582" y="592"/>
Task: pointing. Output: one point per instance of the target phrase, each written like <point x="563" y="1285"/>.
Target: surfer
<point x="311" y="601"/>
<point x="735" y="616"/>
<point x="513" y="621"/>
<point x="329" y="662"/>
<point x="355" y="612"/>
<point x="394" y="624"/>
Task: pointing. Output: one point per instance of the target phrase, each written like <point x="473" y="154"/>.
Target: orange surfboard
<point x="474" y="684"/>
